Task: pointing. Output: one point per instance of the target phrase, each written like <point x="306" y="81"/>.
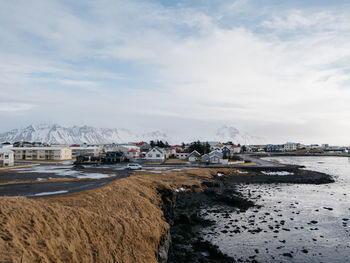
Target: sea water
<point x="292" y="222"/>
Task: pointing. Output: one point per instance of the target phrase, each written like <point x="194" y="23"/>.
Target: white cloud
<point x="181" y="63"/>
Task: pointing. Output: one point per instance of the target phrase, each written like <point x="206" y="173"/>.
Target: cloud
<point x="14" y="107"/>
<point x="168" y="65"/>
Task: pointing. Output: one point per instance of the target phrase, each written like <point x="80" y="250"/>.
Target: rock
<point x="287" y="255"/>
<point x="328" y="208"/>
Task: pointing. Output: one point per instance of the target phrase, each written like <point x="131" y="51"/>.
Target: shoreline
<point x="130" y="220"/>
<point x="186" y="222"/>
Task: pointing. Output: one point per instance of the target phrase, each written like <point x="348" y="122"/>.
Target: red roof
<point x="132" y="151"/>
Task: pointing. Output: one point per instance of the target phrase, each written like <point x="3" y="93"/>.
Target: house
<point x="126" y="147"/>
<point x="6" y="157"/>
<point x="178" y="148"/>
<point x="6" y="145"/>
<point x="212" y="157"/>
<point x="156" y="154"/>
<point x="181" y="155"/>
<point x="144" y="146"/>
<point x="290" y="146"/>
<point x="226" y="152"/>
<point x="88" y="159"/>
<point x="194" y="156"/>
<point x="171" y="150"/>
<point x="42" y="153"/>
<point x="133" y="154"/>
<point x="235" y="149"/>
<point x="114" y="157"/>
<point x="85" y="150"/>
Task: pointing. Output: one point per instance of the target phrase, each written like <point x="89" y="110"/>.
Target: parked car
<point x="133" y="166"/>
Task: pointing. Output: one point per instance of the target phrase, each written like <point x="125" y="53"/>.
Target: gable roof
<point x="157" y="149"/>
<point x="216" y="153"/>
<point x="194" y="153"/>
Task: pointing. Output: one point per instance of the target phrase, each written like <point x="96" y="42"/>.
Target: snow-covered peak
<point x="56" y="134"/>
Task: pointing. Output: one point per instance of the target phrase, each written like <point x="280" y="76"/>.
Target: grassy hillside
<point x="120" y="222"/>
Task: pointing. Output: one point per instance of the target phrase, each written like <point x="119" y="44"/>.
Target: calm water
<point x="296" y="223"/>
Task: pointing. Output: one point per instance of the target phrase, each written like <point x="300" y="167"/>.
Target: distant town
<point x="153" y="152"/>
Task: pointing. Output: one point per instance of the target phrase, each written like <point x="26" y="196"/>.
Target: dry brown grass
<point x="175" y="161"/>
<point x="120" y="222"/>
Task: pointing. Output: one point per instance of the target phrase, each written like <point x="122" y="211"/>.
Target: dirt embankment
<point x="120" y="222"/>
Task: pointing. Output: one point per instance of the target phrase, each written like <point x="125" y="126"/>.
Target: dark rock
<point x="287" y="255"/>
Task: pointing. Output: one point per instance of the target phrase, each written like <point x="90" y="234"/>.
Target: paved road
<point x="35" y="190"/>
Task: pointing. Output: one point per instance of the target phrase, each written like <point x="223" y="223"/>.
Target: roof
<point x="5" y="151"/>
<point x="133" y="151"/>
<point x="139" y="144"/>
<point x="194" y="153"/>
<point x="158" y="149"/>
<point x="39" y="148"/>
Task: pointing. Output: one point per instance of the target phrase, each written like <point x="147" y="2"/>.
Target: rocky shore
<point x="184" y="211"/>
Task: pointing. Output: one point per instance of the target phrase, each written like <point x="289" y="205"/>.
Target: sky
<point x="274" y="69"/>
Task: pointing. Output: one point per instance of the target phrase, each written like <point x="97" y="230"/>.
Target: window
<point x="158" y="155"/>
<point x="150" y="155"/>
<point x="6" y="156"/>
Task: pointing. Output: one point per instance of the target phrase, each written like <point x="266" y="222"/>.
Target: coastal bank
<point x="147" y="217"/>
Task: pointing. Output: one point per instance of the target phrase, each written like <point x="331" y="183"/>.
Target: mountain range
<point x="57" y="134"/>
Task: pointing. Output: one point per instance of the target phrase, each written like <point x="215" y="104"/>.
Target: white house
<point x="155" y="154"/>
<point x="235" y="149"/>
<point x="181" y="156"/>
<point x="133" y="154"/>
<point x="194" y="156"/>
<point x="212" y="157"/>
<point x="6" y="157"/>
<point x="290" y="146"/>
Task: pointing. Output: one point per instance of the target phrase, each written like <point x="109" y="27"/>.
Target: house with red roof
<point x="133" y="154"/>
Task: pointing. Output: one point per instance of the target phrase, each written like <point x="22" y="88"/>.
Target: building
<point x="235" y="149"/>
<point x="178" y="148"/>
<point x="156" y="154"/>
<point x="144" y="146"/>
<point x="114" y="157"/>
<point x="273" y="148"/>
<point x="212" y="157"/>
<point x="133" y="154"/>
<point x="290" y="146"/>
<point x="125" y="148"/>
<point x="181" y="155"/>
<point x="6" y="157"/>
<point x="42" y="153"/>
<point x="85" y="150"/>
<point x="194" y="156"/>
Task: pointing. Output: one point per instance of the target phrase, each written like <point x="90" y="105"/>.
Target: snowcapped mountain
<point x="56" y="134"/>
<point x="229" y="133"/>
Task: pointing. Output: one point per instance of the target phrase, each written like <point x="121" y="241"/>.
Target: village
<point x="154" y="152"/>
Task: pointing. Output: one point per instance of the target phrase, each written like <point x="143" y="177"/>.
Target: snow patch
<point x="51" y="193"/>
<point x="282" y="173"/>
